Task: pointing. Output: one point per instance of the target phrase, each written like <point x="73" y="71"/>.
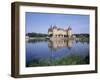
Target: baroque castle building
<point x="56" y="32"/>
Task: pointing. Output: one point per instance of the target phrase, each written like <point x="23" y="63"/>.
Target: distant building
<point x="54" y="31"/>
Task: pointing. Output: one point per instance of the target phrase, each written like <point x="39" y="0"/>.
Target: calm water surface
<point x="54" y="50"/>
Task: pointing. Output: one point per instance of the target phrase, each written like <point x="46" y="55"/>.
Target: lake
<point x="56" y="52"/>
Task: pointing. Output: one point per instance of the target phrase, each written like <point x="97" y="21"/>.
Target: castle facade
<point x="56" y="32"/>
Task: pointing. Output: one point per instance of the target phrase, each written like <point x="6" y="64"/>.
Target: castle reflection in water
<point x="56" y="44"/>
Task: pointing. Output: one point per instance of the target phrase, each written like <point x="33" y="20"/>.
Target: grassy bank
<point x="65" y="60"/>
<point x="37" y="39"/>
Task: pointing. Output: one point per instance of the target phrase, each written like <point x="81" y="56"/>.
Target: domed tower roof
<point x="49" y="29"/>
<point x="69" y="28"/>
<point x="54" y="27"/>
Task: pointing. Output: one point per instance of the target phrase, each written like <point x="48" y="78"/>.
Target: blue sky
<point x="40" y="22"/>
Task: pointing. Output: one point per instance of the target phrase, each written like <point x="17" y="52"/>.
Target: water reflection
<point x="46" y="52"/>
<point x="56" y="44"/>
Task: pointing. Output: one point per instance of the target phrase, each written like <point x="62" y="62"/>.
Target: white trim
<point x="53" y="69"/>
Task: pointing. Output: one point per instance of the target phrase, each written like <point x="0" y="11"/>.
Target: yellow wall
<point x="69" y="33"/>
<point x="60" y="32"/>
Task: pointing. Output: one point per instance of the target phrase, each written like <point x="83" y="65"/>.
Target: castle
<point x="56" y="32"/>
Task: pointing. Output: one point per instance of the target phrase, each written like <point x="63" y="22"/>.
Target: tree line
<point x="33" y="34"/>
<point x="82" y="35"/>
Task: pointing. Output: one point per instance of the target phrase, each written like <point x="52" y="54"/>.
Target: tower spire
<point x="69" y="28"/>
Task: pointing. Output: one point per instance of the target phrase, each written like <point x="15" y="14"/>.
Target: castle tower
<point x="69" y="32"/>
<point x="55" y="31"/>
<point x="50" y="31"/>
<point x="66" y="30"/>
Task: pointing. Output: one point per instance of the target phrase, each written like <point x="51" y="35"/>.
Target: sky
<point x="41" y="22"/>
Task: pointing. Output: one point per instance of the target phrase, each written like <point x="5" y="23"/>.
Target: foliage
<point x="65" y="60"/>
<point x="82" y="37"/>
<point x="36" y="34"/>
